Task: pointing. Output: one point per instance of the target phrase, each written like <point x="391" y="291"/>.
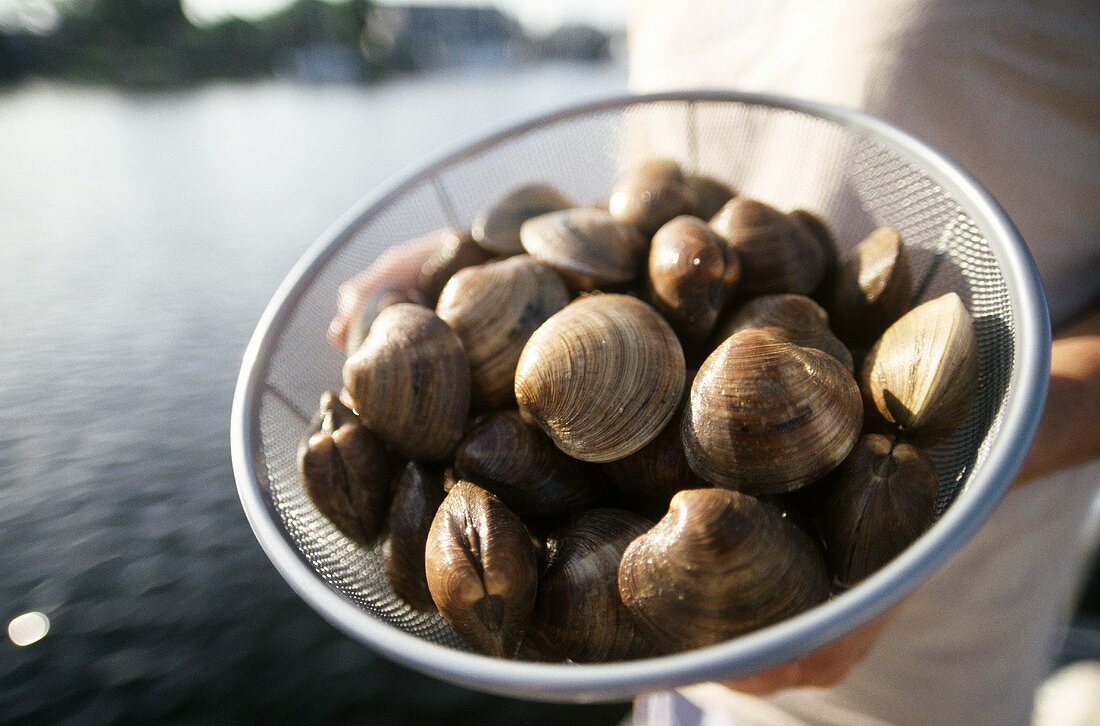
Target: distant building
<point x="425" y="36"/>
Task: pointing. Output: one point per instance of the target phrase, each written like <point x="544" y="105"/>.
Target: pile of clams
<point x="597" y="433"/>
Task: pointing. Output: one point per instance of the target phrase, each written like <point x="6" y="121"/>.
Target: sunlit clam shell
<point x="871" y="289"/>
<point x="796" y="318"/>
<point x="650" y="195"/>
<point x="497" y="229"/>
<point x="587" y="246"/>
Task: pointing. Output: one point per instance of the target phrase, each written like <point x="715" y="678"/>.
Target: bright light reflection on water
<point x="28" y="628"/>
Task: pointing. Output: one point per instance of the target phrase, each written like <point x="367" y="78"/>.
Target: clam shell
<point x="651" y="195"/>
<point x="345" y="471"/>
<point x="497" y="229"/>
<point x="369" y="308"/>
<point x="494" y="308"/>
<point x="777" y="253"/>
<point x="602" y="377"/>
<point x="522" y="466"/>
<point x="767" y="416"/>
<point x="922" y="373"/>
<point x="691" y="273"/>
<point x="588" y="247"/>
<point x="796" y="318"/>
<point x="710" y="194"/>
<point x="411" y="382"/>
<point x="719" y="564"/>
<point x="876" y="504"/>
<point x="579" y="614"/>
<point x="456" y="251"/>
<point x="480" y="567"/>
<point x="417" y="495"/>
<point x="821" y="234"/>
<point x="872" y="288"/>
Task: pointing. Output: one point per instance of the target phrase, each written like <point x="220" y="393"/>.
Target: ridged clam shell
<point x="767" y="416"/>
<point x="777" y="253"/>
<point x="411" y="382"/>
<point x="719" y="564"/>
<point x="602" y="377"/>
<point x="587" y="246"/>
<point x="871" y="289"/>
<point x="692" y="271"/>
<point x="369" y="308"/>
<point x="494" y="308"/>
<point x="579" y="614"/>
<point x="651" y="195"/>
<point x="796" y="318"/>
<point x="922" y="373"/>
<point x="480" y="567"/>
<point x="345" y="471"/>
<point x="522" y="466"/>
<point x="456" y="250"/>
<point x="497" y="229"/>
<point x="417" y="495"/>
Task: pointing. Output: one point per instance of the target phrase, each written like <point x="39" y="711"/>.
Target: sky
<point x="536" y="15"/>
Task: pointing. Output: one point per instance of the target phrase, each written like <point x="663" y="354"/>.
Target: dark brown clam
<point x="522" y="466"/>
<point x="456" y="250"/>
<point x="777" y="253"/>
<point x="416" y="498"/>
<point x="767" y="416"/>
<point x="345" y="471"/>
<point x="579" y="614"/>
<point x="872" y="288"/>
<point x="369" y="308"/>
<point x="481" y="571"/>
<point x="876" y="504"/>
<point x="651" y="195"/>
<point x="692" y="271"/>
<point x="710" y="194"/>
<point x="411" y="382"/>
<point x="497" y="229"/>
<point x="494" y="308"/>
<point x="825" y="240"/>
<point x="719" y="564"/>
<point x="796" y="318"/>
<point x="586" y="246"/>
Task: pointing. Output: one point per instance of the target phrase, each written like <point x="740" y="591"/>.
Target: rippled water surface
<point x="140" y="239"/>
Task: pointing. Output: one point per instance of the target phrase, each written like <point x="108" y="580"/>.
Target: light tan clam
<point x="494" y="308"/>
<point x="522" y="466"/>
<point x="417" y="495"/>
<point x="650" y="195"/>
<point x="922" y="373"/>
<point x="602" y="377"/>
<point x="796" y="318"/>
<point x="411" y="382"/>
<point x="710" y="194"/>
<point x="480" y="567"/>
<point x="455" y="251"/>
<point x="579" y="614"/>
<point x="345" y="471"/>
<point x="692" y="272"/>
<point x="777" y="253"/>
<point x="719" y="564"/>
<point x="871" y="289"/>
<point x="369" y="308"/>
<point x="875" y="504"/>
<point x="497" y="229"/>
<point x="767" y="416"/>
<point x="587" y="246"/>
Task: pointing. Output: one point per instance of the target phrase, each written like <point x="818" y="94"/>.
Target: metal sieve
<point x="856" y="171"/>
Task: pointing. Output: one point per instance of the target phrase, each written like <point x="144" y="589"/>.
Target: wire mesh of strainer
<point x="857" y="172"/>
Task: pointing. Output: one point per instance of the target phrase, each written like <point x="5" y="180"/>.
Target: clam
<point x="821" y="234"/>
<point x="456" y="251"/>
<point x="777" y="253"/>
<point x="691" y="273"/>
<point x="719" y="564"/>
<point x="871" y="289"/>
<point x="522" y="466"/>
<point x="369" y="307"/>
<point x="494" y="308"/>
<point x="588" y="247"/>
<point x="481" y="571"/>
<point x="710" y="194"/>
<point x="767" y="416"/>
<point x="345" y="471"/>
<point x="579" y="614"/>
<point x="497" y="229"/>
<point x="411" y="382"/>
<point x="922" y="373"/>
<point x="416" y="498"/>
<point x="876" y="504"/>
<point x="796" y="318"/>
<point x="651" y="195"/>
<point x="659" y="469"/>
<point x="602" y="377"/>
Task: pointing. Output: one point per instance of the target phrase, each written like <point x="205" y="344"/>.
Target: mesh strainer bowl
<point x="857" y="171"/>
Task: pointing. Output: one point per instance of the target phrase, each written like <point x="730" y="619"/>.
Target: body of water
<point x="141" y="236"/>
